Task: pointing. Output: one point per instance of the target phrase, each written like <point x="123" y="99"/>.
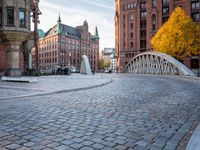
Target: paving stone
<point x="66" y="142"/>
<point x="133" y="112"/>
<point x="120" y="147"/>
<point x="87" y="143"/>
<point x="23" y="148"/>
<point x="76" y="145"/>
<point x="13" y="146"/>
<point x="29" y="144"/>
<point x="62" y="147"/>
<point x="53" y="145"/>
<point x="77" y="140"/>
<point x="86" y="148"/>
<point x="97" y="146"/>
<point x="109" y="144"/>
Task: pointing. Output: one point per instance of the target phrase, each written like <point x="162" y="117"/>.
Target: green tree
<point x="107" y="64"/>
<point x="178" y="36"/>
<point x="103" y="64"/>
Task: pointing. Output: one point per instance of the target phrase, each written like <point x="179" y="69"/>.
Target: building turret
<point x="59" y="25"/>
<point x="85" y="25"/>
<point x="96" y="33"/>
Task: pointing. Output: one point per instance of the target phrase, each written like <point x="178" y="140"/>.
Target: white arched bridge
<point x="157" y="63"/>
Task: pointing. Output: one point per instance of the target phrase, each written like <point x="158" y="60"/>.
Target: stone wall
<point x="3" y="59"/>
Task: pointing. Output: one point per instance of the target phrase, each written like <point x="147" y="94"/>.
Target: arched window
<point x="153" y="22"/>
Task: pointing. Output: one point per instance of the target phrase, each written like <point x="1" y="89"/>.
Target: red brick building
<point x="64" y="45"/>
<point x="137" y="21"/>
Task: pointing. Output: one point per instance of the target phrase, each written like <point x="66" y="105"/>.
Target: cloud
<point x="74" y="16"/>
<point x="97" y="4"/>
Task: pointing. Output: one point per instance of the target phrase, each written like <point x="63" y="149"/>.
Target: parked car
<point x="108" y="71"/>
<point x="75" y="70"/>
<point x="64" y="71"/>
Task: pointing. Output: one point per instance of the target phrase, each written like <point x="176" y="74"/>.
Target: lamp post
<point x="36" y="12"/>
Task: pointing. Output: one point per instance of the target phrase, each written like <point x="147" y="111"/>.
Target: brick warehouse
<point x="137" y="21"/>
<point x="63" y="46"/>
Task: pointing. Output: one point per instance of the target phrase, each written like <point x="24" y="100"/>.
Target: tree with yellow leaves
<point x="178" y="37"/>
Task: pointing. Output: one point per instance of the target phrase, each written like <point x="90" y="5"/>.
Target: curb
<point x="194" y="142"/>
<point x="170" y="76"/>
<point x="60" y="91"/>
<point x="190" y="77"/>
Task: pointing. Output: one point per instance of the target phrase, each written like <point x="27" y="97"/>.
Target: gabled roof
<point x="71" y="31"/>
<point x="67" y="30"/>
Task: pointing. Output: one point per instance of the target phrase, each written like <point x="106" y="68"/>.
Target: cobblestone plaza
<point x="131" y="112"/>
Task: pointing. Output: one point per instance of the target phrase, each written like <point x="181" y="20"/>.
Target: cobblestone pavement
<point x="133" y="112"/>
<point x="49" y="84"/>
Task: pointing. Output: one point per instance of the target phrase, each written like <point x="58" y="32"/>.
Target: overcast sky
<point x="98" y="13"/>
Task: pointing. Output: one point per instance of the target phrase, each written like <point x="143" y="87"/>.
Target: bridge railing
<point x="157" y="63"/>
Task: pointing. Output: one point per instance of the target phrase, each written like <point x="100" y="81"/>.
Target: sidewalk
<point x="194" y="143"/>
<point x="52" y="85"/>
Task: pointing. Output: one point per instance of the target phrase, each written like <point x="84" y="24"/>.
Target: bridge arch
<point x="157" y="63"/>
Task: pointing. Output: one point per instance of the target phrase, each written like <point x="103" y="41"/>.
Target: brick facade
<point x="63" y="46"/>
<point x="137" y="21"/>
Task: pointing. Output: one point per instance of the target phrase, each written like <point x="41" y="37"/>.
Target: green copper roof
<point x="96" y="33"/>
<point x="41" y="33"/>
<point x="59" y="26"/>
<point x="59" y="19"/>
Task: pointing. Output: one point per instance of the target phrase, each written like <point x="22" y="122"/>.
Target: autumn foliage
<point x="178" y="37"/>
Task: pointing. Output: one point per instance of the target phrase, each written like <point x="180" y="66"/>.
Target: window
<point x="131" y="25"/>
<point x="194" y="63"/>
<point x="195" y="16"/>
<point x="143" y="34"/>
<point x="124" y="7"/>
<point x="132" y="5"/>
<point x="131" y="45"/>
<point x="164" y="19"/>
<point x="143" y="44"/>
<point x="10" y="16"/>
<point x="131" y="34"/>
<point x="154" y="3"/>
<point x="165" y="11"/>
<point x="165" y="1"/>
<point x="153" y="22"/>
<point x="0" y="16"/>
<point x="195" y="5"/>
<point x="143" y="5"/>
<point x="143" y="14"/>
<point x="131" y="17"/>
<point x="143" y="24"/>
